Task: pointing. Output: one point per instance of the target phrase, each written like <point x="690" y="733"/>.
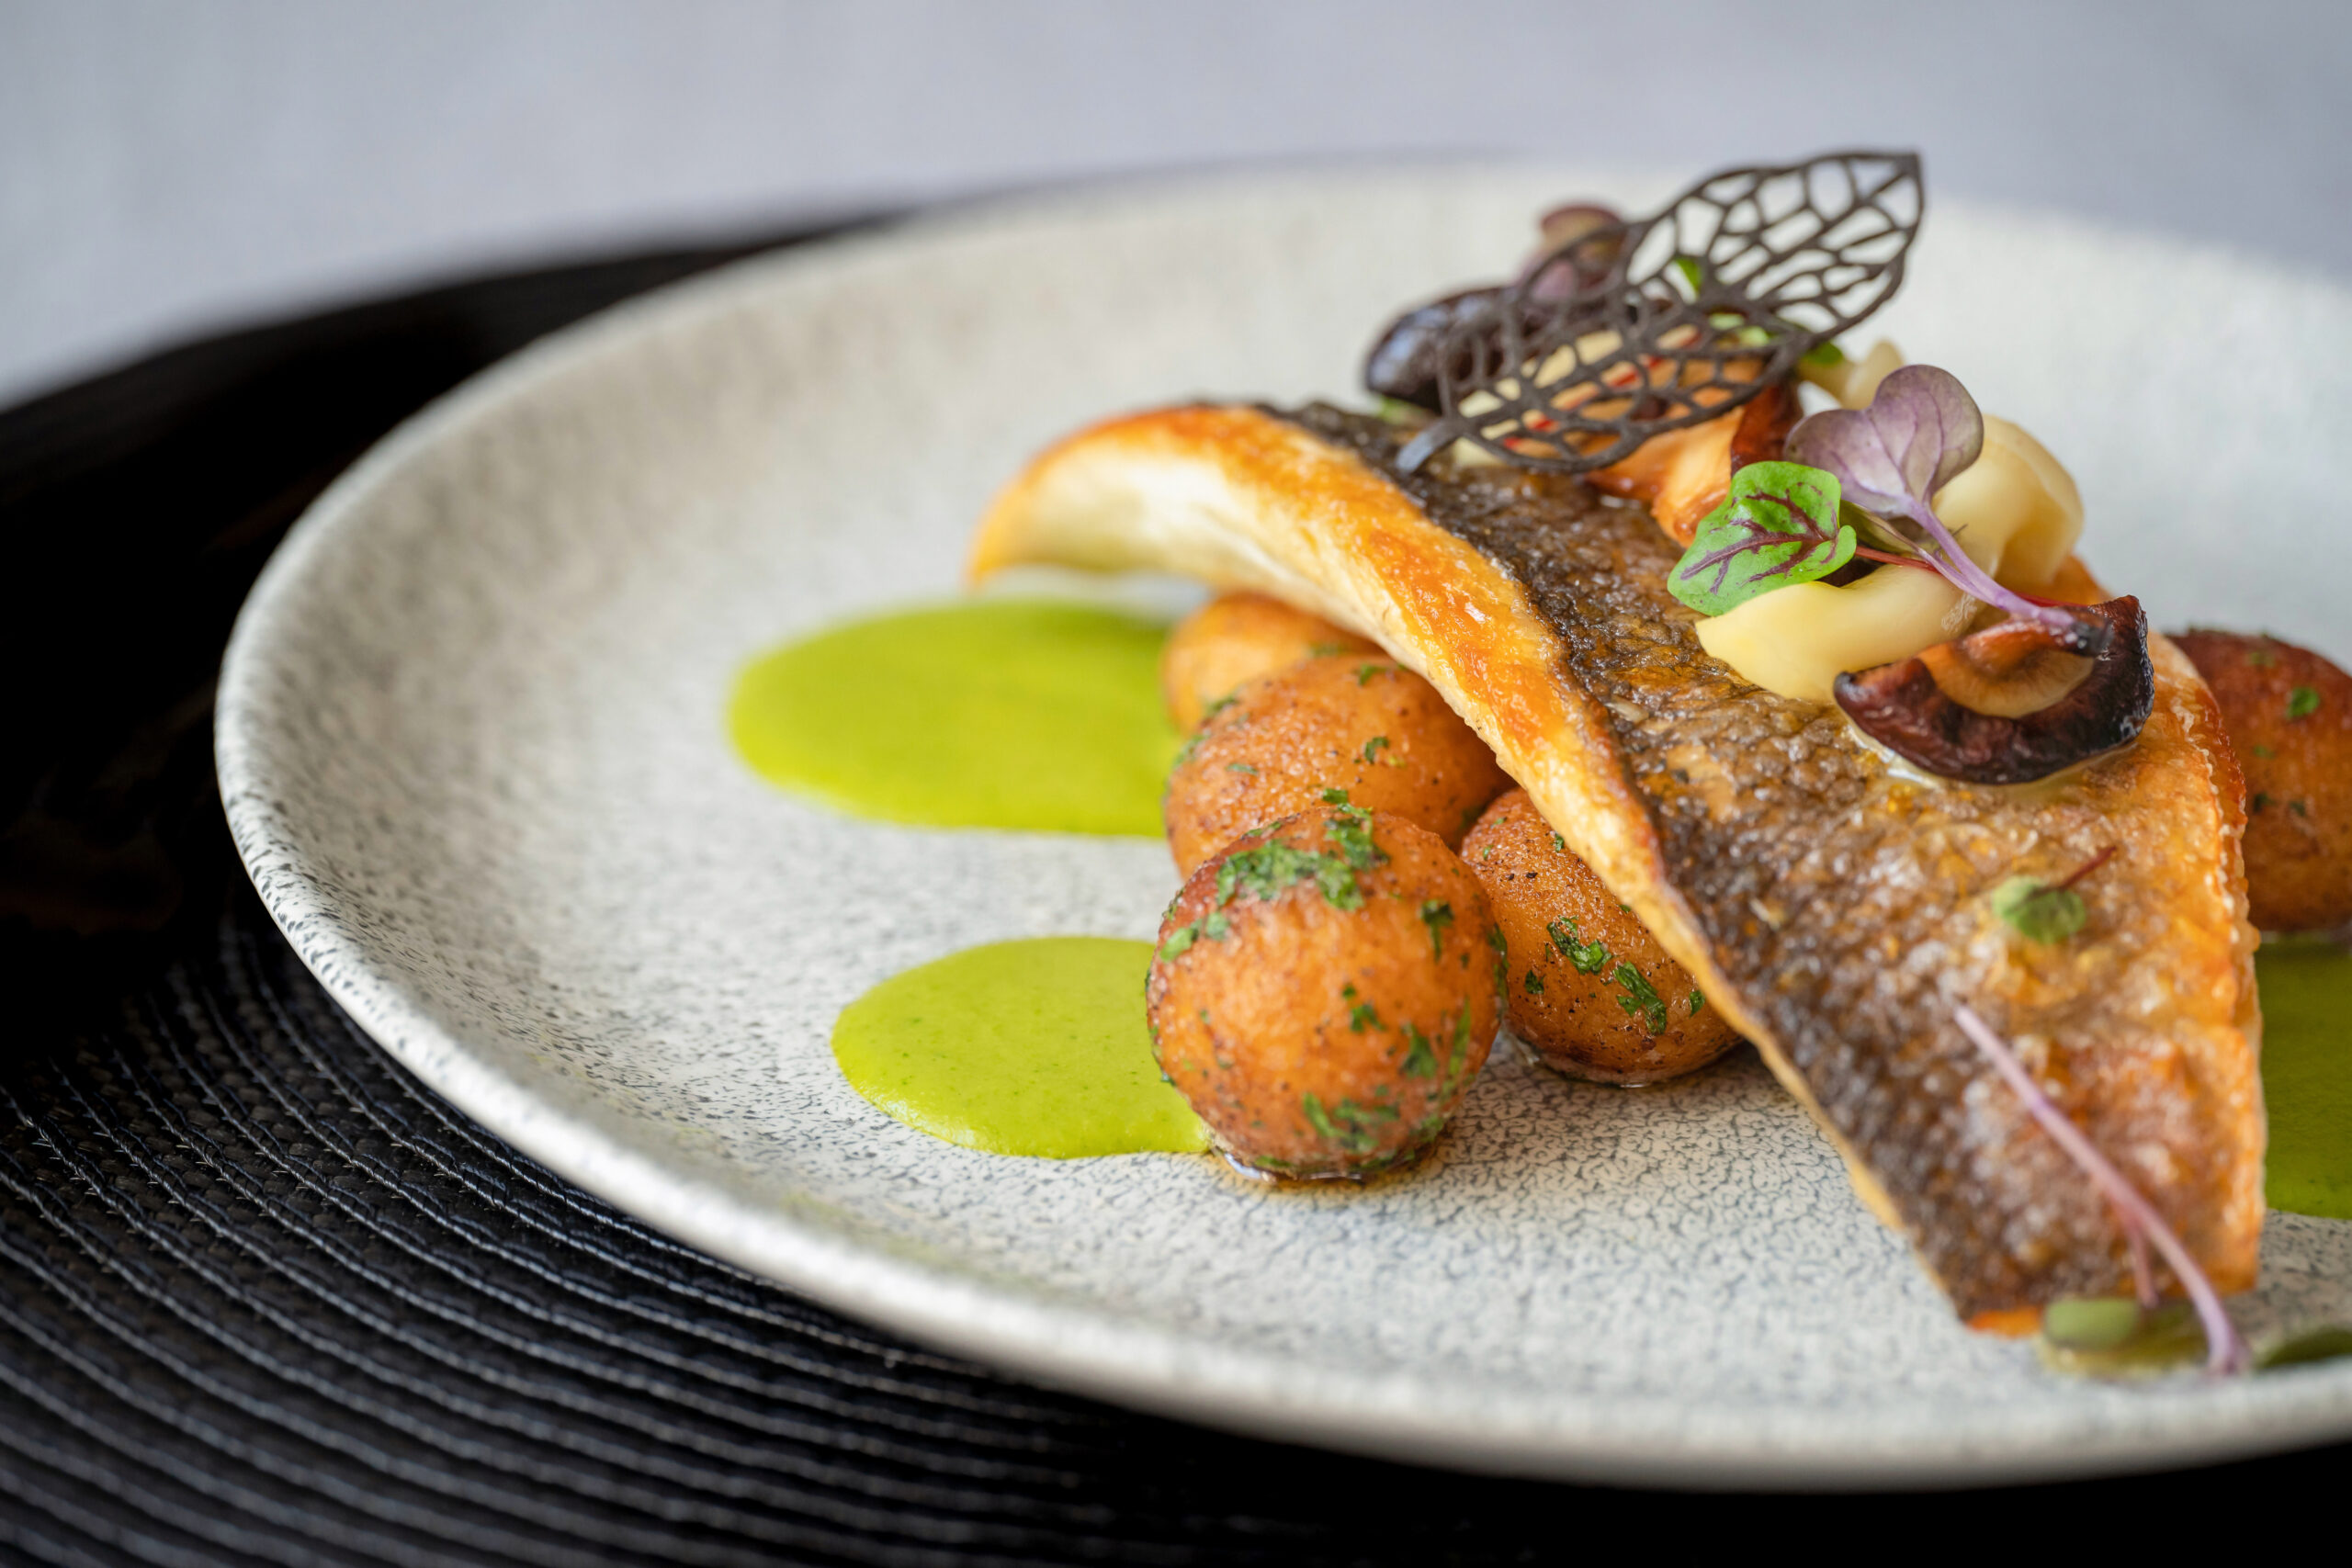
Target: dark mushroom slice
<point x="2014" y="703"/>
<point x="1580" y="244"/>
<point x="1405" y="359"/>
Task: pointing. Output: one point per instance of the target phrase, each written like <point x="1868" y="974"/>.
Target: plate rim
<point x="1087" y="1347"/>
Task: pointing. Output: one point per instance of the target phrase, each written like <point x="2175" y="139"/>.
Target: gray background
<point x="169" y="168"/>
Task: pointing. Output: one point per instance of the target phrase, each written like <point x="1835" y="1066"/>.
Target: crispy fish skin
<point x="1831" y="902"/>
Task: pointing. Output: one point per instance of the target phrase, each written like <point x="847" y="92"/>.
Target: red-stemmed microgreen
<point x="1779" y="525"/>
<point x="1921" y="431"/>
<point x="2225" y="1350"/>
<point x="2047" y="912"/>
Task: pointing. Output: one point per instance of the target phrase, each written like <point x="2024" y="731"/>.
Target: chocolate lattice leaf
<point x="1697" y="309"/>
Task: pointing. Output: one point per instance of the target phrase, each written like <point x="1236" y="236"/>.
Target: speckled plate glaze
<point x="470" y="743"/>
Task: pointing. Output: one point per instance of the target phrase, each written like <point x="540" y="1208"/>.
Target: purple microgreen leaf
<point x="1920" y="432"/>
<point x="1779" y="525"/>
<point x="2225" y="1351"/>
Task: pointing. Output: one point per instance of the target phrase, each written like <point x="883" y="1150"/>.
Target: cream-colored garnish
<point x="2015" y="510"/>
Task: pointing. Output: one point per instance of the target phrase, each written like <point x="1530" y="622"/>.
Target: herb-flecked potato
<point x="1589" y="988"/>
<point x="1365" y="724"/>
<point x="2288" y="713"/>
<point x="1236" y="638"/>
<point x="1325" y="990"/>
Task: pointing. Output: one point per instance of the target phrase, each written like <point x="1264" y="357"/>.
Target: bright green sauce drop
<point x="1000" y="713"/>
<point x="1020" y="1048"/>
<point x="2307" y="1075"/>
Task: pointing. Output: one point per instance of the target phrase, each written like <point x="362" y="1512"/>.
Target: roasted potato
<point x="1236" y="638"/>
<point x="1326" y="989"/>
<point x="1367" y="726"/>
<point x="2288" y="713"/>
<point x="1589" y="988"/>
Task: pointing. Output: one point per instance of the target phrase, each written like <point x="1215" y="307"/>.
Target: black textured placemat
<point x="263" y="1298"/>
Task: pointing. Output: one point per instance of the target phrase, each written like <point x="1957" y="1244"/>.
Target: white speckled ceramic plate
<point x="470" y="742"/>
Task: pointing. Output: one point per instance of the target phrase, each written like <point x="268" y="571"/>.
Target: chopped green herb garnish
<point x="2260" y="658"/>
<point x="2265" y="753"/>
<point x="1240" y="768"/>
<point x="1420" y="1061"/>
<point x="1264" y="870"/>
<point x="1698" y="1000"/>
<point x="1371" y="747"/>
<point x="1487" y="854"/>
<point x="1335" y="797"/>
<point x="1325" y="650"/>
<point x="2261" y="798"/>
<point x="1213" y="925"/>
<point x="1590" y="958"/>
<point x="1534" y="984"/>
<point x="2303" y="701"/>
<point x="1495" y="940"/>
<point x="2299" y="808"/>
<point x="1559" y="843"/>
<point x="1641" y="1000"/>
<point x="1347" y="1125"/>
<point x="1437" y="914"/>
<point x="1217" y="707"/>
<point x="1352" y="831"/>
<point x="1362" y="1017"/>
<point x="1364" y="673"/>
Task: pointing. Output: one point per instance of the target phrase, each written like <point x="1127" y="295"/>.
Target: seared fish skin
<point x="1834" y="905"/>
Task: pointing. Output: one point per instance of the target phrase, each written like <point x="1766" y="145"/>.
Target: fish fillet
<point x="1830" y="901"/>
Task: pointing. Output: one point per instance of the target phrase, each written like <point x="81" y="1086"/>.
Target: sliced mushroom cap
<point x="1405" y="359"/>
<point x="2095" y="689"/>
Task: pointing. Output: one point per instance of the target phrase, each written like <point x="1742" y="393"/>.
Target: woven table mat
<point x="263" y="1298"/>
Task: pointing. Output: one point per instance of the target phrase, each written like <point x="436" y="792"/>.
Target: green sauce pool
<point x="1034" y="1047"/>
<point x="2307" y="1075"/>
<point x="1000" y="713"/>
<point x="1046" y="714"/>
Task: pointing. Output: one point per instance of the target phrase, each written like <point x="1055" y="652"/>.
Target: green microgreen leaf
<point x="2327" y="1342"/>
<point x="1779" y="525"/>
<point x="2115" y="1337"/>
<point x="2038" y="911"/>
<point x="2303" y="701"/>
